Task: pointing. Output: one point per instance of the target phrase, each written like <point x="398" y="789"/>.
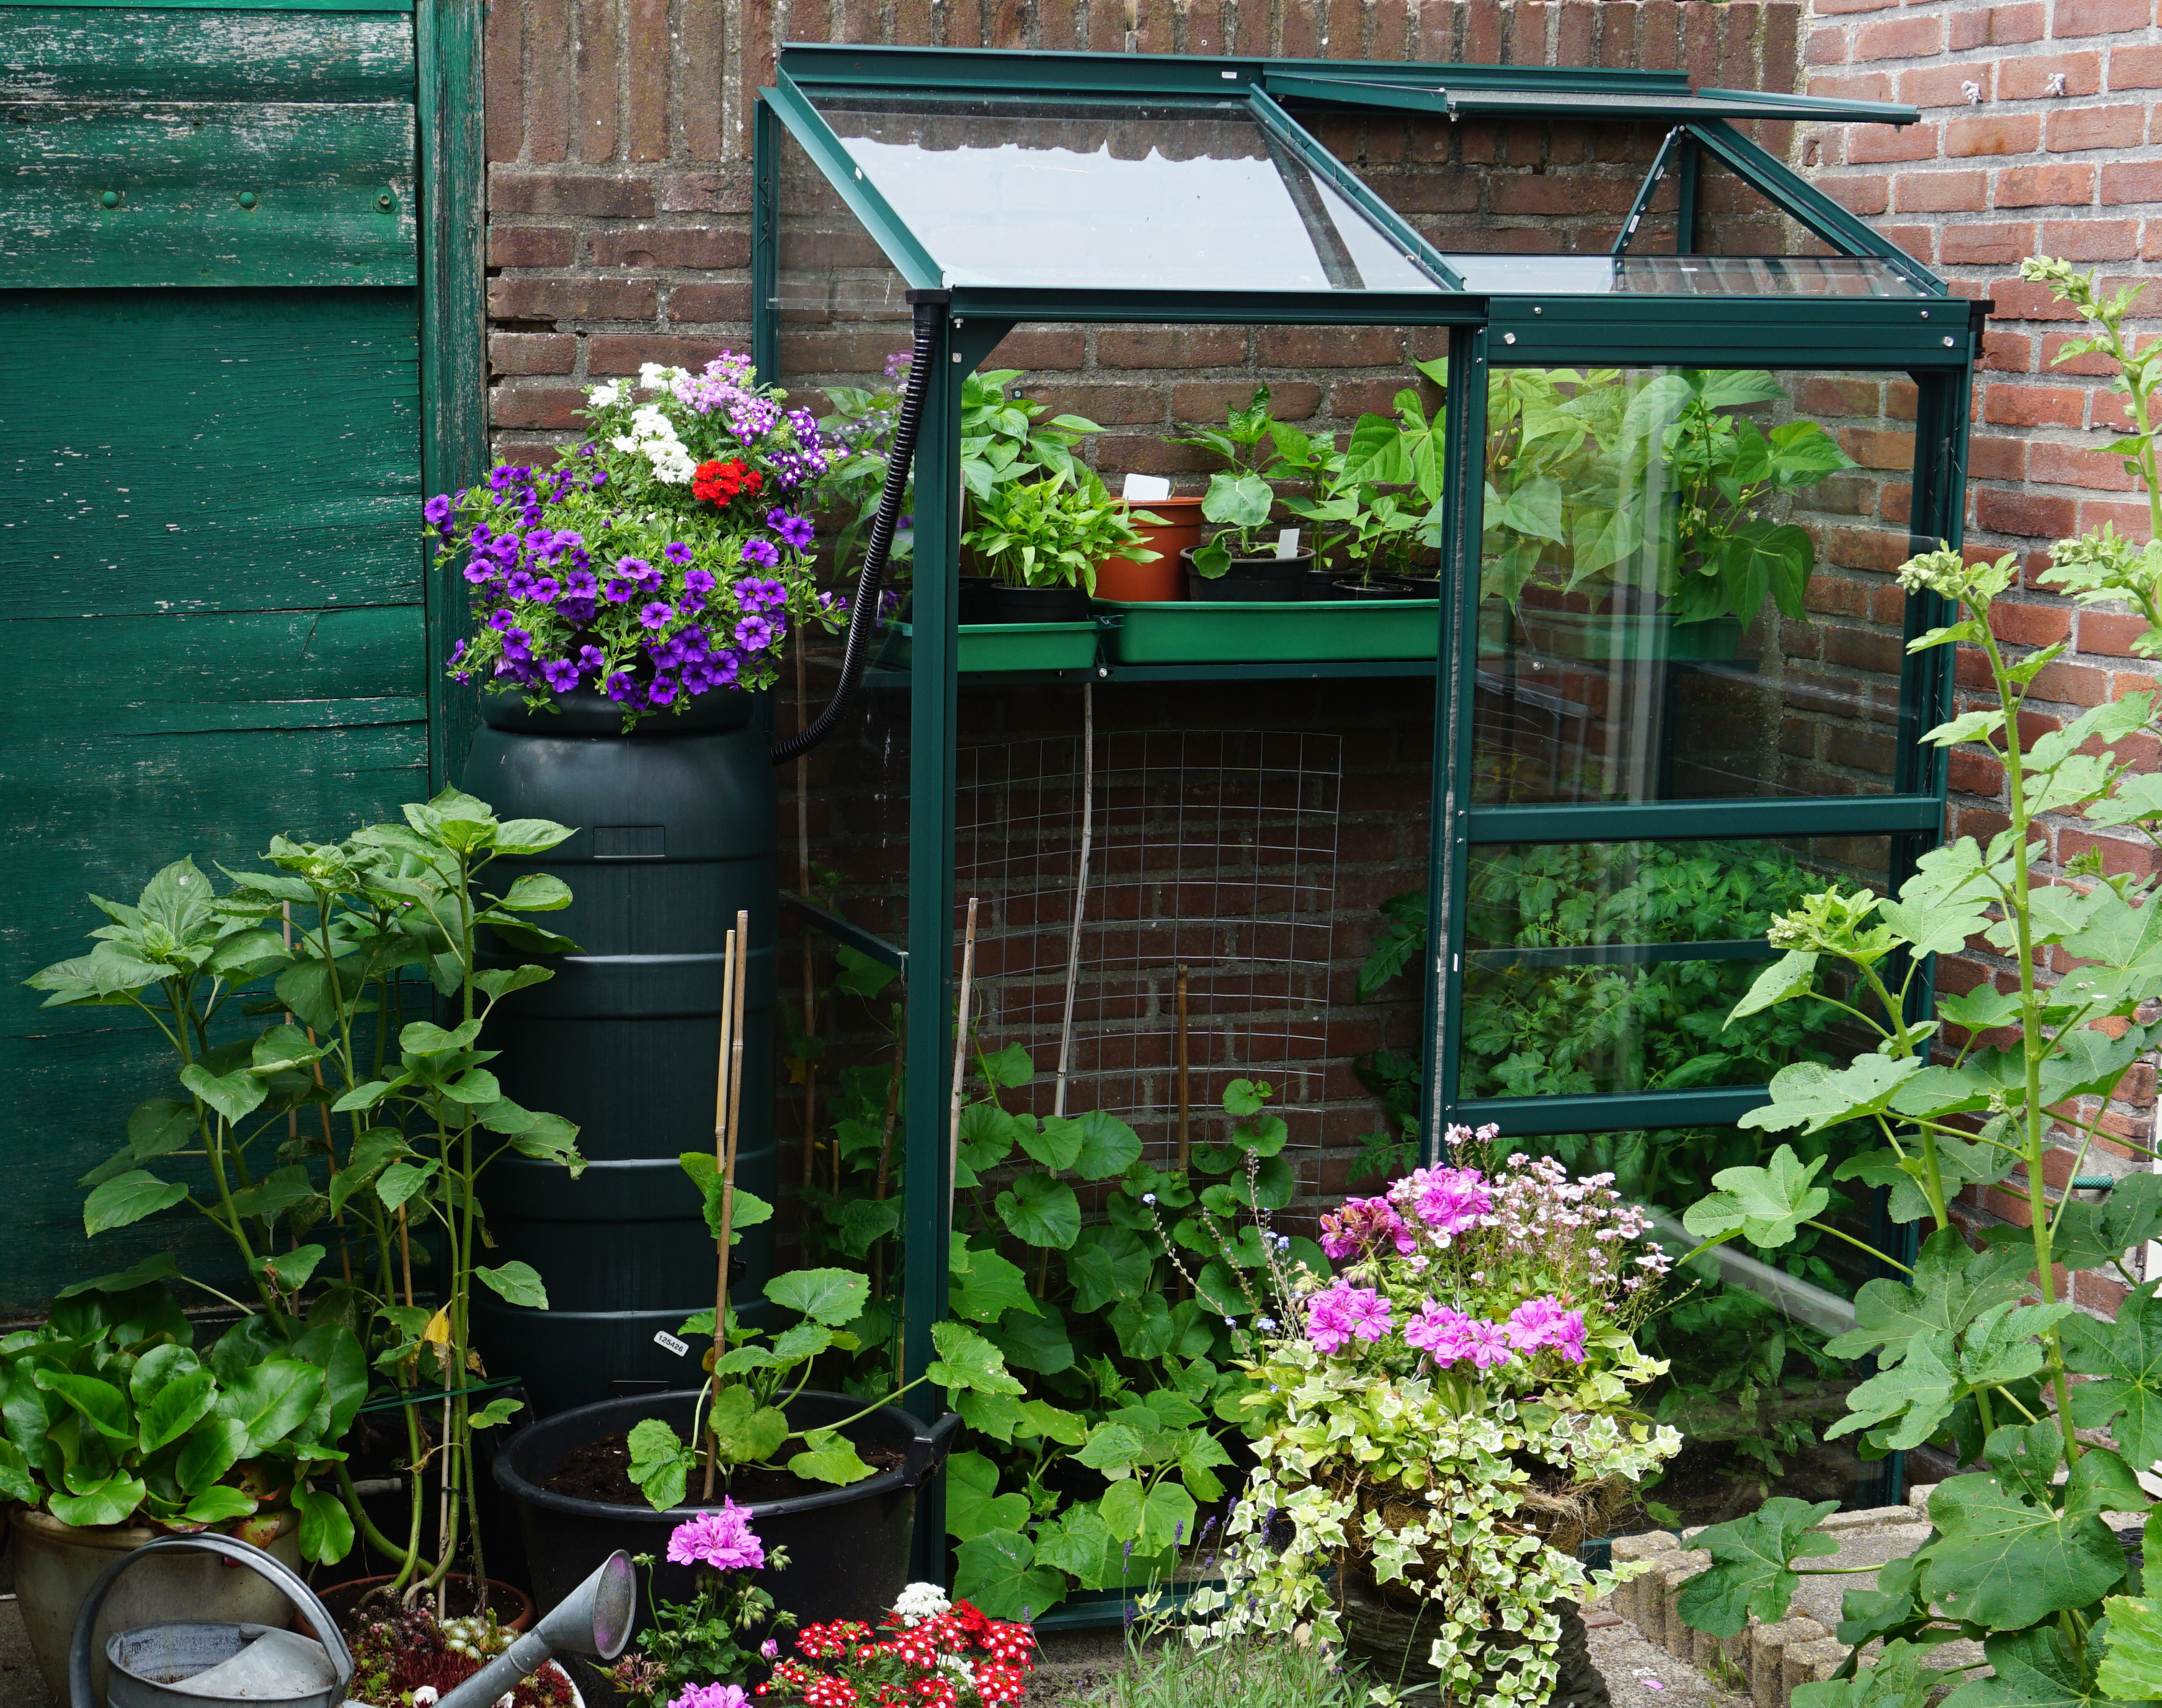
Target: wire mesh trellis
<point x="1213" y="851"/>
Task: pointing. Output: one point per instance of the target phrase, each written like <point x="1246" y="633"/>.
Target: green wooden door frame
<point x="451" y="177"/>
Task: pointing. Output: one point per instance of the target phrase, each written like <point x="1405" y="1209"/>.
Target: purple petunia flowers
<point x="753" y="633"/>
<point x="796" y="530"/>
<point x="657" y="615"/>
<point x="761" y="551"/>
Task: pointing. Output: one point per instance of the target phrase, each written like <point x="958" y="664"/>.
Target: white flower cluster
<point x="652" y="436"/>
<point x="919" y="1601"/>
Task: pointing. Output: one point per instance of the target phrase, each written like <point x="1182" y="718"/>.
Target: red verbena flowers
<point x="721" y="482"/>
<point x="927" y="1652"/>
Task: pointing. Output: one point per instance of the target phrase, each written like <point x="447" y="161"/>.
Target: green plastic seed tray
<point x="1005" y="646"/>
<point x="1194" y="632"/>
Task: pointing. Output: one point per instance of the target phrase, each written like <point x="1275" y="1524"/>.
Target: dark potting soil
<point x="600" y="1470"/>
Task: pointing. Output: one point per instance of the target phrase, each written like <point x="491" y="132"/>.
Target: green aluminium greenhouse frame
<point x="1922" y="332"/>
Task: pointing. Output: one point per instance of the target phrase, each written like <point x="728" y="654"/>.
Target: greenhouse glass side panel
<point x="1686" y="587"/>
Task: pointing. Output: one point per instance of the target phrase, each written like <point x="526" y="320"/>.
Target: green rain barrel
<point x="675" y="827"/>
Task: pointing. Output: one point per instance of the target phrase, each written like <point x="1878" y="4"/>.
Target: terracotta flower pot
<point x="1122" y="578"/>
<point x="56" y="1564"/>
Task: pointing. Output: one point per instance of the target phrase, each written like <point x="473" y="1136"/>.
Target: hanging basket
<point x="1391" y="1627"/>
<point x="1393" y="1643"/>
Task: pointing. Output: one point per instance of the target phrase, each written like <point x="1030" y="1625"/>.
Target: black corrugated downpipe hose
<point x="930" y="309"/>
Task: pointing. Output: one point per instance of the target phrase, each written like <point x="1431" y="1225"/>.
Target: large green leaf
<point x="275" y="1194"/>
<point x="109" y="1502"/>
<point x="998" y="1575"/>
<point x="172" y="1393"/>
<point x="211" y="1449"/>
<point x="1106" y="1265"/>
<point x="1914" y="1396"/>
<point x="1041" y="1211"/>
<point x="1151" y="1518"/>
<point x="1035" y="1341"/>
<point x="988" y="1287"/>
<point x="659" y="1463"/>
<point x="1764" y="1205"/>
<point x="2002" y="1559"/>
<point x="833" y="1297"/>
<point x="1079" y="1542"/>
<point x="326" y="1526"/>
<point x="16" y="1481"/>
<point x="966" y="1360"/>
<point x="2032" y="1670"/>
<point x="1108" y="1147"/>
<point x="2131" y="1668"/>
<point x="1812" y="1097"/>
<point x="271" y="1399"/>
<point x="749" y="1433"/>
<point x="233" y="1095"/>
<point x="2125" y="1357"/>
<point x="128" y="1198"/>
<point x="974" y="1506"/>
<point x="1752" y="1566"/>
<point x="516" y="1283"/>
<point x="1952" y="1285"/>
<point x="1895" y="1679"/>
<point x="827" y="1456"/>
<point x="2088" y="1236"/>
<point x="100" y="1404"/>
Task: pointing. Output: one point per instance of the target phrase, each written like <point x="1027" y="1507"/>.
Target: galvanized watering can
<point x="206" y="1665"/>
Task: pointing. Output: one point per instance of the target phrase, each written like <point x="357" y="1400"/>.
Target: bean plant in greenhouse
<point x="1980" y="1349"/>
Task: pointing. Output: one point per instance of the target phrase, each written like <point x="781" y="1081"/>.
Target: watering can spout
<point x="594" y="1619"/>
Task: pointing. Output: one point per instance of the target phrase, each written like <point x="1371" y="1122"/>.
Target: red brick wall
<point x="2039" y="134"/>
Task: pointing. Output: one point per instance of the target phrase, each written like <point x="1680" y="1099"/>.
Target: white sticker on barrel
<point x="1145" y="488"/>
<point x="1287" y="543"/>
<point x="664" y="1339"/>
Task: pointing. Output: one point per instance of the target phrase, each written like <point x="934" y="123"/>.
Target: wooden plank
<point x="453" y="319"/>
<point x="268" y="460"/>
<point x="69" y="53"/>
<point x="206" y="193"/>
<point x="80" y="682"/>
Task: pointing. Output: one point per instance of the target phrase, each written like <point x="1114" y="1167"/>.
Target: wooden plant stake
<point x="1080" y="888"/>
<point x="960" y="1063"/>
<point x="724" y="1162"/>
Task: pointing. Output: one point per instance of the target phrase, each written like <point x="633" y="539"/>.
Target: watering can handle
<point x="280" y="1575"/>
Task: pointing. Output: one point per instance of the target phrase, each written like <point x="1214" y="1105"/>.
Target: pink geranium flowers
<point x="1362" y="1225"/>
<point x="1340" y="1314"/>
<point x="723" y="1540"/>
<point x="1450" y="1201"/>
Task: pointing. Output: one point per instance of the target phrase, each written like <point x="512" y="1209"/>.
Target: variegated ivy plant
<point x="1979" y="1348"/>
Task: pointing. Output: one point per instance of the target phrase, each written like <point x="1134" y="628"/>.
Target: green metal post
<point x="928" y="1197"/>
<point x="452" y="173"/>
<point x="764" y="242"/>
<point x="1689" y="165"/>
<point x="1464" y="449"/>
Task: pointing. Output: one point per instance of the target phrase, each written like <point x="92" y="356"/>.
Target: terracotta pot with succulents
<point x="627" y="605"/>
<point x="1478" y="1335"/>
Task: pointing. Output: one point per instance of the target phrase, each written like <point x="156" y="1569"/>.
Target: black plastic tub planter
<point x="847" y="1547"/>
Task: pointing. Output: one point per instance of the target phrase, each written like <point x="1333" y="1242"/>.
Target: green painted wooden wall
<point x="210" y="467"/>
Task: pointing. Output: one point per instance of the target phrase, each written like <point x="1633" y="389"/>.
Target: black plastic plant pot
<point x="1250" y="579"/>
<point x="847" y="1547"/>
<point x="1382" y="586"/>
<point x="1006" y="604"/>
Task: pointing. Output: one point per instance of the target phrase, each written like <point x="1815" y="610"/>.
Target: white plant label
<point x="663" y="1338"/>
<point x="1145" y="488"/>
<point x="1287" y="543"/>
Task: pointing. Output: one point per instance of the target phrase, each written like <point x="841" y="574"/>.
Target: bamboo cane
<point x="960" y="1058"/>
<point x="1080" y="889"/>
<point x="721" y="1162"/>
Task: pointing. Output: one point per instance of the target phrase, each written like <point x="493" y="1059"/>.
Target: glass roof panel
<point x="1682" y="275"/>
<point x="1190" y="195"/>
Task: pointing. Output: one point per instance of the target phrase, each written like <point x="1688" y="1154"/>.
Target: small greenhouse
<point x="1491" y="838"/>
